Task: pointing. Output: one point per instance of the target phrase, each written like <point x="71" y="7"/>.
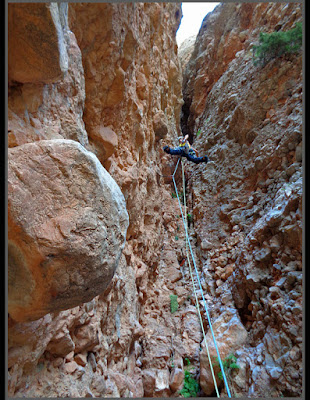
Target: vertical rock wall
<point x="118" y="95"/>
<point x="133" y="94"/>
<point x="247" y="201"/>
<point x="46" y="101"/>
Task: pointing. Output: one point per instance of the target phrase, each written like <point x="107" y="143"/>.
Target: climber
<point x="186" y="150"/>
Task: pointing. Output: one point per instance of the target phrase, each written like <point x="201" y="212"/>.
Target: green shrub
<point x="173" y="303"/>
<point x="229" y="364"/>
<point x="191" y="386"/>
<point x="276" y="44"/>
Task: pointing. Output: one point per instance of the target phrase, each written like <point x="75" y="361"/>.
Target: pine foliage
<point x="276" y="44"/>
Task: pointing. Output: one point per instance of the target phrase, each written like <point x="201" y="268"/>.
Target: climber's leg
<point x="176" y="152"/>
<point x="196" y="160"/>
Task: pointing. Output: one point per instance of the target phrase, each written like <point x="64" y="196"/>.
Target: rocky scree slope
<point x="247" y="201"/>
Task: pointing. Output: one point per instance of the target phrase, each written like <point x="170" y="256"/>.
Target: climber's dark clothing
<point x="180" y="151"/>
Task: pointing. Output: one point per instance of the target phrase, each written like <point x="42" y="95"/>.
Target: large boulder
<point x="67" y="223"/>
<point x="230" y="336"/>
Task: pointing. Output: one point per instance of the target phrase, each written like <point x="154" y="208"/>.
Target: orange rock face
<point x="36" y="50"/>
<point x="38" y="109"/>
<point x="67" y="227"/>
<point x="127" y="82"/>
<point x="118" y="101"/>
<point x="219" y="42"/>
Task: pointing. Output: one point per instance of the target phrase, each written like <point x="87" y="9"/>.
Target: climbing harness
<point x="188" y="246"/>
<point x="187" y="147"/>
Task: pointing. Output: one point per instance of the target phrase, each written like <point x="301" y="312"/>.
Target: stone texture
<point x="130" y="72"/>
<point x="247" y="201"/>
<point x="62" y="343"/>
<point x="60" y="252"/>
<point x="185" y="50"/>
<point x="176" y="379"/>
<point x="70" y="367"/>
<point x="85" y="337"/>
<point x="156" y="383"/>
<point x="230" y="336"/>
<point x="250" y="127"/>
<point x="160" y="126"/>
<point x="38" y="110"/>
<point x="37" y="52"/>
<point x="81" y="359"/>
<point x="108" y="140"/>
<point x="130" y="86"/>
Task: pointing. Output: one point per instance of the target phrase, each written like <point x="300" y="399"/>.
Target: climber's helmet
<point x="182" y="139"/>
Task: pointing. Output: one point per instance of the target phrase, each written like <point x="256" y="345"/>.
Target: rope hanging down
<point x="199" y="283"/>
<point x="194" y="290"/>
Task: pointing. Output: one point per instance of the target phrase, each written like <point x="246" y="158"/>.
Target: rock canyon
<point x="96" y="242"/>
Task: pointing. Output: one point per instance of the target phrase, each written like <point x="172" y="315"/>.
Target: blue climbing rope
<point x="198" y="279"/>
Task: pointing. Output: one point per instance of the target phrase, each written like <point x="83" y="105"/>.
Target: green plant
<point x="181" y="196"/>
<point x="229" y="364"/>
<point x="173" y="303"/>
<point x="276" y="44"/>
<point x="189" y="217"/>
<point x="187" y="361"/>
<point x="198" y="132"/>
<point x="191" y="386"/>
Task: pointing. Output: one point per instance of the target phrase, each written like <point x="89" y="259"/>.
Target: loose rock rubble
<point x="247" y="202"/>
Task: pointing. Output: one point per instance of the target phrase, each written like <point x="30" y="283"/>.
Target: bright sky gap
<point x="193" y="15"/>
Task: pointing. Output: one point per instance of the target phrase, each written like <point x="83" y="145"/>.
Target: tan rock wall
<point x="185" y="50"/>
<point x="247" y="201"/>
<point x="128" y="81"/>
<point x="224" y="32"/>
<point x="38" y="109"/>
<point x="131" y="89"/>
<point x="36" y="44"/>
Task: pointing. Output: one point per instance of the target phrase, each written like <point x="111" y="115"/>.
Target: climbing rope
<point x="199" y="283"/>
<point x="194" y="290"/>
<point x="202" y="328"/>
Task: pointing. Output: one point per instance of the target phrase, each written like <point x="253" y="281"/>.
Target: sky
<point x="193" y="14"/>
